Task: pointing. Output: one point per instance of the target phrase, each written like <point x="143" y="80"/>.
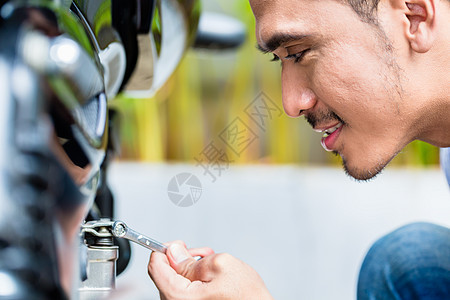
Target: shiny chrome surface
<point x="54" y="133"/>
<point x="218" y="31"/>
<point x="95" y="16"/>
<point x="30" y="201"/>
<point x="172" y="31"/>
<point x="6" y="116"/>
<point x="74" y="78"/>
<point x="101" y="256"/>
<point x="101" y="273"/>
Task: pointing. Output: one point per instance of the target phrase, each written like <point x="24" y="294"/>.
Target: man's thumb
<point x="180" y="259"/>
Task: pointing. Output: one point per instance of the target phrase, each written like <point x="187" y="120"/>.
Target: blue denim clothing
<point x="412" y="262"/>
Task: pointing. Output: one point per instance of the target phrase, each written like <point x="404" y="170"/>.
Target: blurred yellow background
<point x="208" y="91"/>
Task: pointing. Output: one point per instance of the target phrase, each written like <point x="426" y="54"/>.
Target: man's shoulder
<point x="445" y="162"/>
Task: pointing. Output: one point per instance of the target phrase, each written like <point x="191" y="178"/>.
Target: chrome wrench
<point x="121" y="230"/>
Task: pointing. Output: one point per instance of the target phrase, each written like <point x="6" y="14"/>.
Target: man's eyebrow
<point x="277" y="40"/>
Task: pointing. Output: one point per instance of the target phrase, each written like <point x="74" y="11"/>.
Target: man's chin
<point x="361" y="174"/>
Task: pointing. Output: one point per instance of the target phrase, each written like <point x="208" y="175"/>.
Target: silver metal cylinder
<point x="101" y="272"/>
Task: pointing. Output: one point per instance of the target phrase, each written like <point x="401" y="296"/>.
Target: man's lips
<point x="330" y="135"/>
<point x="328" y="129"/>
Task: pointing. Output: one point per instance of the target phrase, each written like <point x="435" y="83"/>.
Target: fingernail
<point x="179" y="254"/>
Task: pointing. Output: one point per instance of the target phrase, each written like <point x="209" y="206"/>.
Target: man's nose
<point x="297" y="97"/>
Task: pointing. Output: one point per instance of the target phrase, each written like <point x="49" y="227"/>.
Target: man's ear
<point x="420" y="27"/>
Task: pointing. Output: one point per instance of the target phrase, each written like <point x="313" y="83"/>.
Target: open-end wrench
<point x="121" y="230"/>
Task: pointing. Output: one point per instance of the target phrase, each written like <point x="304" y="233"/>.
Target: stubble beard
<point x="393" y="87"/>
<point x="362" y="174"/>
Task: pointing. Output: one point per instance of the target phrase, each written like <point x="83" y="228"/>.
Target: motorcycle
<point x="61" y="62"/>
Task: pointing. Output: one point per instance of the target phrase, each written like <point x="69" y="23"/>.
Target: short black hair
<point x="366" y="10"/>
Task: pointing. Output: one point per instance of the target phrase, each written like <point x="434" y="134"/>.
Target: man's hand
<point x="178" y="275"/>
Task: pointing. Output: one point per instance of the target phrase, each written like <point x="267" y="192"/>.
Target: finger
<point x="181" y="260"/>
<point x="163" y="274"/>
<point x="157" y="265"/>
<point x="205" y="251"/>
<point x="179" y="242"/>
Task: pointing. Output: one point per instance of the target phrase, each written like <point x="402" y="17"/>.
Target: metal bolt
<point x="119" y="230"/>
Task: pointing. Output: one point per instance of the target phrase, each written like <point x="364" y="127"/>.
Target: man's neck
<point x="434" y="120"/>
<point x="436" y="123"/>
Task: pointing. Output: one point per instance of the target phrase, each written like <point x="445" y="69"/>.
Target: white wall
<point x="305" y="230"/>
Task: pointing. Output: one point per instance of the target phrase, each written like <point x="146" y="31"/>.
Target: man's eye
<point x="275" y="58"/>
<point x="297" y="57"/>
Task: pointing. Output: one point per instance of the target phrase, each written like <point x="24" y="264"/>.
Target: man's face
<point x="339" y="73"/>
